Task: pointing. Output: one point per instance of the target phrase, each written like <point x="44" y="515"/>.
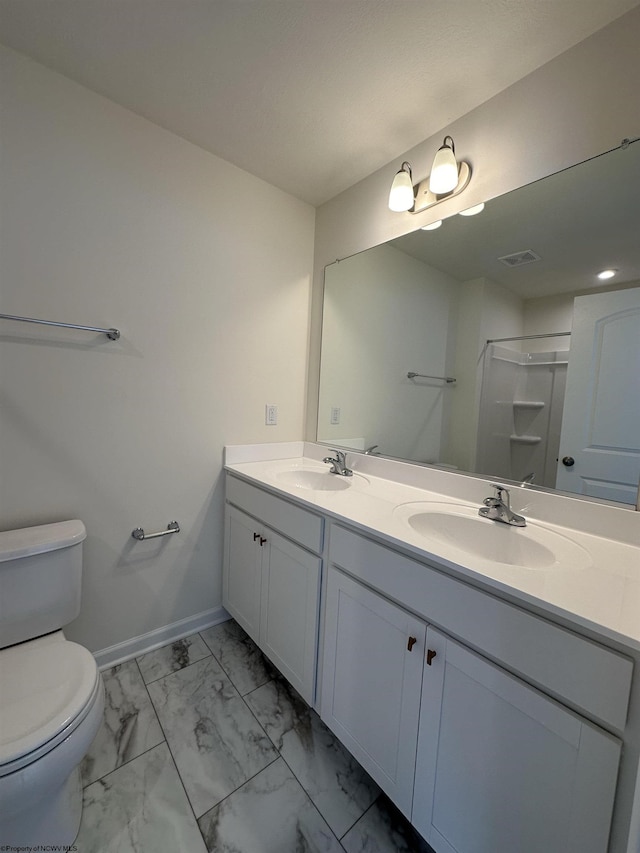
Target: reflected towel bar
<point x="172" y="527"/>
<point x="448" y="379"/>
<point x="112" y="334"/>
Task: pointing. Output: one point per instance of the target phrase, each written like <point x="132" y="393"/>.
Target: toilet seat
<point x="49" y="685"/>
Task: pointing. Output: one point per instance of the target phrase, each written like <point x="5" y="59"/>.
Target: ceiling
<point x="309" y="95"/>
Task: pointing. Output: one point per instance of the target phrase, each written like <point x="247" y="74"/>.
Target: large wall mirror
<point x="490" y="346"/>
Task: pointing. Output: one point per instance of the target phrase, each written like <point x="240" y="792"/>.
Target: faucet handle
<point x="501" y="490"/>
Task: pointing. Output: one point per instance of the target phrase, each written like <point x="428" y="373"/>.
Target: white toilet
<point x="51" y="693"/>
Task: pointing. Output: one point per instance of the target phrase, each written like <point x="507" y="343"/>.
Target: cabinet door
<point x="371" y="682"/>
<point x="501" y="767"/>
<point x="242" y="575"/>
<point x="289" y="616"/>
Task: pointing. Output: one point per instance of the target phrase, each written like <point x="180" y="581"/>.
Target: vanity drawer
<point x="292" y="521"/>
<point x="584" y="674"/>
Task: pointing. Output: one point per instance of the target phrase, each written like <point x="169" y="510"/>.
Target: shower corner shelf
<point x="528" y="404"/>
<point x="525" y="439"/>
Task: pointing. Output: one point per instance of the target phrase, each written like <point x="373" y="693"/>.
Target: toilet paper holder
<point x="139" y="534"/>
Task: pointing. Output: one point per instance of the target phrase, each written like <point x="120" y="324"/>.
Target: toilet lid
<point x="44" y="688"/>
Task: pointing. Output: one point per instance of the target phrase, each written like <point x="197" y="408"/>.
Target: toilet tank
<point x="40" y="579"/>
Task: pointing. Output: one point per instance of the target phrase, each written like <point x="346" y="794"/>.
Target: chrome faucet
<point x="498" y="508"/>
<point x="339" y="464"/>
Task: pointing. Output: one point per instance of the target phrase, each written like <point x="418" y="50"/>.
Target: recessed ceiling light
<point x="471" y="211"/>
<point x="607" y="274"/>
<point x="433" y="226"/>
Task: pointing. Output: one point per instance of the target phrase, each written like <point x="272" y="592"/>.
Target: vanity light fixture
<point x="605" y="274"/>
<point x="447" y="179"/>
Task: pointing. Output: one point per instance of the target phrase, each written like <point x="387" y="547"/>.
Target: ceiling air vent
<point x="519" y="259"/>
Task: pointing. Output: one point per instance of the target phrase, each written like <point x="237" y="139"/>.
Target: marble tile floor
<point x="206" y="749"/>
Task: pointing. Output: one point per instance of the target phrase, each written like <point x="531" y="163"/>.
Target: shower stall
<point x="521" y="402"/>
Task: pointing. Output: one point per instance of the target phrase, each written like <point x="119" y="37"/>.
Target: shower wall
<point x="521" y="413"/>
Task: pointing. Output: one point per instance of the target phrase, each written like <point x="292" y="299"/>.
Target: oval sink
<point x="460" y="527"/>
<point x="318" y="481"/>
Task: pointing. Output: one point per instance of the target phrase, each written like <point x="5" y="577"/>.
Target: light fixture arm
<point x="452" y="146"/>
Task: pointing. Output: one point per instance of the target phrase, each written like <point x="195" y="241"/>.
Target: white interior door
<point x="601" y="421"/>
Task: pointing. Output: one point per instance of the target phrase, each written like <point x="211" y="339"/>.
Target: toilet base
<point x="52" y="823"/>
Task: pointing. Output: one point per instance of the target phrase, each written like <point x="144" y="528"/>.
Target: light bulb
<point x="433" y="226"/>
<point x="444" y="172"/>
<point x="472" y="211"/>
<point x="401" y="194"/>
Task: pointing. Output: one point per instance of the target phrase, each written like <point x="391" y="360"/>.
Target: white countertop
<point x="596" y="584"/>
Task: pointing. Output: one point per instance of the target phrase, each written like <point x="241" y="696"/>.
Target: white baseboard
<point x="159" y="637"/>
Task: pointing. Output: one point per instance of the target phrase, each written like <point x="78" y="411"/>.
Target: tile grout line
<point x="124" y="764"/>
<point x="235" y="790"/>
<point x="171" y="755"/>
<point x="270" y="739"/>
<point x="280" y="755"/>
<point x="133" y="757"/>
<point x="166" y="740"/>
<point x="192" y="663"/>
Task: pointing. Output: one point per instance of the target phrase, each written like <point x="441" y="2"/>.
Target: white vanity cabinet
<point x="271" y="584"/>
<point x="478" y="758"/>
<point x="490" y="721"/>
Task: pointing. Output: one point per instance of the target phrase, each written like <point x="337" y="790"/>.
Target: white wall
<point x="109" y="220"/>
<point x="487" y="311"/>
<point x="387" y="314"/>
<point x="578" y="105"/>
<point x="548" y="314"/>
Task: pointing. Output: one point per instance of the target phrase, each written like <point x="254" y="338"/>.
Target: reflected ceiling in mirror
<point x="428" y="303"/>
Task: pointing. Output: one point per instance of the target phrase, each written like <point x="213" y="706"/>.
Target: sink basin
<point x="317" y="481"/>
<point x="460" y="527"/>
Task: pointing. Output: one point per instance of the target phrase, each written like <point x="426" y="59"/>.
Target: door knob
<point x="568" y="461"/>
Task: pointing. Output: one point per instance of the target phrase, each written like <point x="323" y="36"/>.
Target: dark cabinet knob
<point x="568" y="461"/>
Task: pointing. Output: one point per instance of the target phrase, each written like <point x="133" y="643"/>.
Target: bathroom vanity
<point x="483" y="675"/>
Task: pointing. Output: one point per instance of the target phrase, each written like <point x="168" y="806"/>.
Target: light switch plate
<point x="271" y="414"/>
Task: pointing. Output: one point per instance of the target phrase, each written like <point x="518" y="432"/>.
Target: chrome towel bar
<point x="112" y="334"/>
<point x="448" y="379"/>
<point x="172" y="527"/>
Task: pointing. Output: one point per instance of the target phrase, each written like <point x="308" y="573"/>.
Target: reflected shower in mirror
<point x="455" y="347"/>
